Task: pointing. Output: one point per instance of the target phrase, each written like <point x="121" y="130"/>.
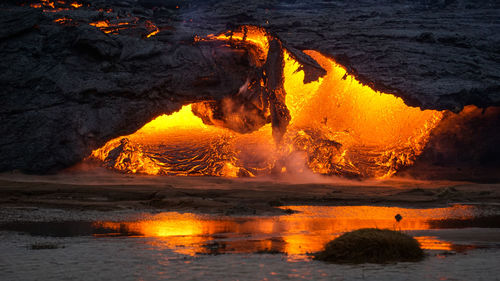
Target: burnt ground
<point x="111" y="191"/>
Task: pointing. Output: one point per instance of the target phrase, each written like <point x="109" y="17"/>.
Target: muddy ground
<point x="112" y="191"/>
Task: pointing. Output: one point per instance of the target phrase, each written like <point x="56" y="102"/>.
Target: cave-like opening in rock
<point x="336" y="126"/>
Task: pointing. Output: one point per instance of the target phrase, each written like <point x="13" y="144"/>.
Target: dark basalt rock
<point x="18" y="22"/>
<point x="67" y="89"/>
<point x="433" y="54"/>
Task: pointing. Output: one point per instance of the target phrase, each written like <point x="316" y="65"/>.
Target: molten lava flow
<point x="153" y="29"/>
<point x="254" y="35"/>
<point x="117" y="25"/>
<point x="44" y="3"/>
<point x="110" y="27"/>
<point x="76" y="5"/>
<point x="64" y="21"/>
<point x="181" y="144"/>
<point x="51" y="6"/>
<point x="348" y="128"/>
<point x="338" y="127"/>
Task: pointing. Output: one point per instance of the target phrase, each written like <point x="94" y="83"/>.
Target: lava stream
<point x="338" y="127"/>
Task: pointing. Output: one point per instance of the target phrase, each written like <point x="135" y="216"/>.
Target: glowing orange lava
<point x="252" y="34"/>
<point x="108" y="27"/>
<point x="63" y="21"/>
<point x="378" y="132"/>
<point x="152" y="28"/>
<point x="338" y="126"/>
<point x="51" y="6"/>
<point x="189" y="147"/>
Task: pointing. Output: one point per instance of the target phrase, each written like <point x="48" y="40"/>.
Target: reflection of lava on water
<point x="297" y="234"/>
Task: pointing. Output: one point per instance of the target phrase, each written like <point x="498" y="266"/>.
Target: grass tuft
<point x="371" y="245"/>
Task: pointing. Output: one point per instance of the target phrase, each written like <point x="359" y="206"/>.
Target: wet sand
<point x="296" y="235"/>
<point x="80" y="225"/>
<point x="53" y="244"/>
<point x="104" y="190"/>
<point x="88" y="258"/>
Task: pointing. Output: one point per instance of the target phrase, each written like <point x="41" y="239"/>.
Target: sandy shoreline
<point x="110" y="191"/>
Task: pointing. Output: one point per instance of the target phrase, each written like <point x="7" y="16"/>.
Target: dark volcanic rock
<point x="434" y="54"/>
<point x="67" y="89"/>
<point x="17" y="22"/>
<point x="462" y="147"/>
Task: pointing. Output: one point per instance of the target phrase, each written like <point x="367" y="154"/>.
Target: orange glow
<point x="295" y="235"/>
<point x="44" y="3"/>
<point x="52" y="5"/>
<point x="432" y="243"/>
<point x="106" y="10"/>
<point x="188" y="230"/>
<point x="190" y="148"/>
<point x="56" y="10"/>
<point x="251" y="34"/>
<point x="63" y="20"/>
<point x="107" y="27"/>
<point x="255" y="35"/>
<point x="373" y="128"/>
<point x="152" y="28"/>
<point x="338" y="126"/>
<point x="48" y="3"/>
<point x="99" y="24"/>
<point x="330" y="222"/>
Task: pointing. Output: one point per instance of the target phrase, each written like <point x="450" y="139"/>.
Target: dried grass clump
<point x="371" y="245"/>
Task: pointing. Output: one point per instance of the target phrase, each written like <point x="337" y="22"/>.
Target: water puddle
<point x="306" y="230"/>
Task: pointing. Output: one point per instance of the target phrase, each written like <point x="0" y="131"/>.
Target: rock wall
<point x="68" y="88"/>
<point x="433" y="54"/>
